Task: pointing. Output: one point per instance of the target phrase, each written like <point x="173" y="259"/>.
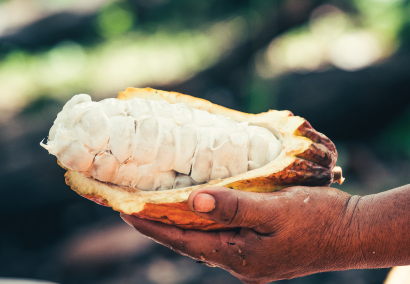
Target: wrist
<point x="340" y="242"/>
<point x="379" y="230"/>
<point x="352" y="250"/>
<point x="345" y="249"/>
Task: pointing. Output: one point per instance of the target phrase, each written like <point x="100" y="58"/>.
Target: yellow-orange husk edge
<point x="308" y="158"/>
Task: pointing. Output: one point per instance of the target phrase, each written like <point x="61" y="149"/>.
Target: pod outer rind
<point x="177" y="214"/>
<point x="308" y="158"/>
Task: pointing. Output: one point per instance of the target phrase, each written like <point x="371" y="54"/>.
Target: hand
<point x="291" y="233"/>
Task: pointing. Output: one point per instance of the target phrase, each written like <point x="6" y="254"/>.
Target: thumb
<point x="234" y="208"/>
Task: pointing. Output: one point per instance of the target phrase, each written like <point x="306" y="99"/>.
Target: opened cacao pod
<point x="145" y="152"/>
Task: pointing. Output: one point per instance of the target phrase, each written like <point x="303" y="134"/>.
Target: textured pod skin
<point x="308" y="158"/>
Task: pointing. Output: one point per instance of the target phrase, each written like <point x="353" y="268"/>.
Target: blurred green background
<point x="343" y="65"/>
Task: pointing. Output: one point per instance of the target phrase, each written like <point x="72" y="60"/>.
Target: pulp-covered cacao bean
<point x="145" y="144"/>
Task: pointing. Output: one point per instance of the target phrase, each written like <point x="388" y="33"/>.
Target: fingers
<point x="216" y="248"/>
<point x="234" y="208"/>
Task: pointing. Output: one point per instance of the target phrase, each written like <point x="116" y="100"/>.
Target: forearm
<point x="380" y="228"/>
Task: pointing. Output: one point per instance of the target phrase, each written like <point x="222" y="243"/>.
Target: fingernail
<point x="204" y="203"/>
<point x="124" y="217"/>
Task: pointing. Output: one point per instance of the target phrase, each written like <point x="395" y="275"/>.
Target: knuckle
<point x="229" y="210"/>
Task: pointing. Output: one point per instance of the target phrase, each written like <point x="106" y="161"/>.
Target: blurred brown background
<point x="343" y="65"/>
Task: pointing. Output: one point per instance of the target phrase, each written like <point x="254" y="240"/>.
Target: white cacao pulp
<point x="154" y="145"/>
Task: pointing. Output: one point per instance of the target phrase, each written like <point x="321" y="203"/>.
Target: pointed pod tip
<point x="337" y="175"/>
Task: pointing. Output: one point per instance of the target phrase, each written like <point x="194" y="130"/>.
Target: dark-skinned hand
<point x="291" y="233"/>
